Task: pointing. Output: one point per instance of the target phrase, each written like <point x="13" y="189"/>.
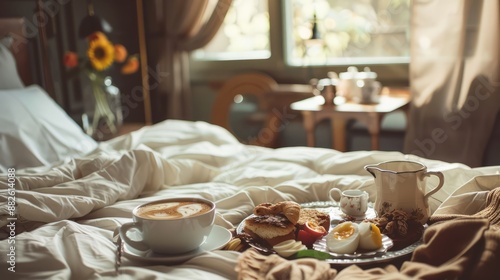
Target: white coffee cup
<point x="351" y="202"/>
<point x="171" y="226"/>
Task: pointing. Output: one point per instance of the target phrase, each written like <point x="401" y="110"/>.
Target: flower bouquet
<point x="103" y="115"/>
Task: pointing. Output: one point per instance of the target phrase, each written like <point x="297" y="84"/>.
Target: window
<point x="243" y="35"/>
<point x="348" y="32"/>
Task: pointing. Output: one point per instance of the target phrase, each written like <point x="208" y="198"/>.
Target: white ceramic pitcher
<point x="402" y="185"/>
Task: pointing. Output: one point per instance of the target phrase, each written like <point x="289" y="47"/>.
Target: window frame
<point x="202" y="71"/>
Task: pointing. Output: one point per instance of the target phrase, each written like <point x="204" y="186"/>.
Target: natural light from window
<point x="348" y="32"/>
<point x="243" y="35"/>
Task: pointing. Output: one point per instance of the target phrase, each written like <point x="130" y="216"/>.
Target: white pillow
<point x="36" y="131"/>
<point x="9" y="78"/>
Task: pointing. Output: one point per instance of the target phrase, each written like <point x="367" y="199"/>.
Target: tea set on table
<point x="351" y="86"/>
<point x="177" y="229"/>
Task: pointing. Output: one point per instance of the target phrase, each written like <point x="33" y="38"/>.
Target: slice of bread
<point x="271" y="228"/>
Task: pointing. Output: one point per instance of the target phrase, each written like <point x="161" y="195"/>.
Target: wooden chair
<point x="255" y="84"/>
<point x="273" y="99"/>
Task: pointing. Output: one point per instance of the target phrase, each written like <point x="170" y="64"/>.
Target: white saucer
<point x="336" y="215"/>
<point x="217" y="239"/>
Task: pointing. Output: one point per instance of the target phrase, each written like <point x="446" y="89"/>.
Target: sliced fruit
<point x="315" y="229"/>
<point x="306" y="238"/>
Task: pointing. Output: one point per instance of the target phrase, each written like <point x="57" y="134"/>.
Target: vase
<point x="102" y="117"/>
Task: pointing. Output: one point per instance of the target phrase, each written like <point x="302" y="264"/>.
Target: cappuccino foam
<point x="173" y="210"/>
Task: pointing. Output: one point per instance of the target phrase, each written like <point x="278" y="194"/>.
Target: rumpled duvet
<point x="65" y="215"/>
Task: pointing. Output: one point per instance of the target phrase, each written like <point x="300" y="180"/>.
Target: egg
<point x="343" y="238"/>
<point x="369" y="236"/>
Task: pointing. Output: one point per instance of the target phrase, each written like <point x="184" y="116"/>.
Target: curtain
<point x="454" y="79"/>
<point x="187" y="25"/>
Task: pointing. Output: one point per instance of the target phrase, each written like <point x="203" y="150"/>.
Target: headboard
<point x="15" y="28"/>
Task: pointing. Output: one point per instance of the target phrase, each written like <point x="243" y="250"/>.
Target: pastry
<point x="401" y="227"/>
<point x="290" y="209"/>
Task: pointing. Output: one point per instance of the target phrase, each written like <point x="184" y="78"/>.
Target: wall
<point x="60" y="19"/>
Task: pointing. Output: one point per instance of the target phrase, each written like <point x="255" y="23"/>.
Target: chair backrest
<point x="256" y="84"/>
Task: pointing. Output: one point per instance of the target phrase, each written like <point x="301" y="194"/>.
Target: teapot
<point x="361" y="87"/>
<point x="347" y="86"/>
<point x="402" y="185"/>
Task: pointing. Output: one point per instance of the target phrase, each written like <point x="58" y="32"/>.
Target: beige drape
<point x="188" y="25"/>
<point x="454" y="78"/>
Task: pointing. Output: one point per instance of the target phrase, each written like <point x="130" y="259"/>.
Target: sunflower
<point x="101" y="54"/>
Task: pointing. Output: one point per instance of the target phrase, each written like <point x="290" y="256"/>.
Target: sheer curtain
<point x="454" y="78"/>
<point x="187" y="25"/>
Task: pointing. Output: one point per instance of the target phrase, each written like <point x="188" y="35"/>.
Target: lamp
<point x="92" y="23"/>
<point x="314" y="44"/>
<point x="314" y="31"/>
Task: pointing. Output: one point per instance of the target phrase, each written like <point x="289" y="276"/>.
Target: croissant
<point x="290" y="209"/>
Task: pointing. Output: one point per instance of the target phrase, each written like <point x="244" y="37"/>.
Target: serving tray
<point x="383" y="254"/>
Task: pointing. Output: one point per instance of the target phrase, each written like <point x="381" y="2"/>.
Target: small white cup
<point x="351" y="202"/>
<point x="166" y="234"/>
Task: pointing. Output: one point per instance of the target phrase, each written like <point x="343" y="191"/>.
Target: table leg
<point x="338" y="130"/>
<point x="374" y="129"/>
<point x="309" y="127"/>
<point x="375" y="141"/>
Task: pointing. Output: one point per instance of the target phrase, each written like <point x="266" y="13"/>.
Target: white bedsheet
<point x="67" y="214"/>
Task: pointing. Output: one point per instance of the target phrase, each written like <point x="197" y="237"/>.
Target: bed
<point x="63" y="196"/>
